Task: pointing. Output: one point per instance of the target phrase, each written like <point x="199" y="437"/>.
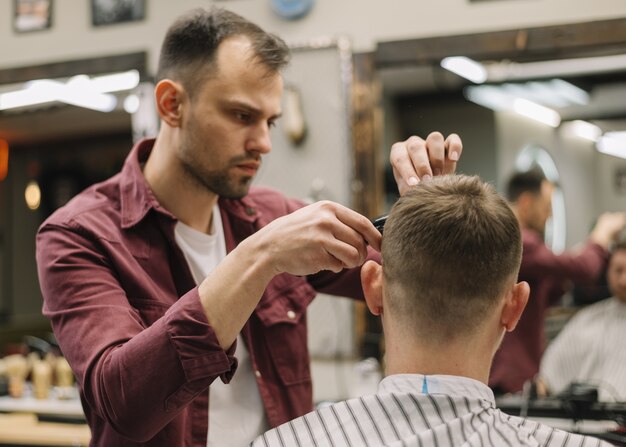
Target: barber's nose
<point x="259" y="140"/>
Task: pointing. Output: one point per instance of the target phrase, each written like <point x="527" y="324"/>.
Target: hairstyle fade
<point x="451" y="248"/>
<point x="521" y="182"/>
<point x="190" y="45"/>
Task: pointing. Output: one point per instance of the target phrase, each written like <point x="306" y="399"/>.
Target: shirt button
<point x="257" y="373"/>
<point x="291" y="315"/>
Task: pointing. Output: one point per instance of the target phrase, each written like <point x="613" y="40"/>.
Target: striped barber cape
<point x="417" y="410"/>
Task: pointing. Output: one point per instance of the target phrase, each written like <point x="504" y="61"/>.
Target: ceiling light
<point x="506" y="71"/>
<point x="80" y="90"/>
<point x="536" y="112"/>
<point x="553" y="93"/>
<point x="492" y="97"/>
<point x="116" y="82"/>
<point x="613" y="143"/>
<point x="77" y="91"/>
<point x="466" y="68"/>
<point x="502" y="99"/>
<point x="542" y="93"/>
<point x="569" y="92"/>
<point x="34" y="92"/>
<point x="583" y="129"/>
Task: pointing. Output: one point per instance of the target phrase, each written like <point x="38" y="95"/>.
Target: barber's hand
<point x="416" y="159"/>
<point x="321" y="236"/>
<point x="607" y="227"/>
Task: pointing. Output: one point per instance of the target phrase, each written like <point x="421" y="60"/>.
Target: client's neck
<point x="467" y="358"/>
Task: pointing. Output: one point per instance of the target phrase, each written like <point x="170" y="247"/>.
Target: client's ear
<point x="514" y="305"/>
<point x="372" y="283"/>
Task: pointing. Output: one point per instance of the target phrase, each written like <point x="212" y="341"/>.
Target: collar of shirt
<point x="437" y="384"/>
<point x="136" y="197"/>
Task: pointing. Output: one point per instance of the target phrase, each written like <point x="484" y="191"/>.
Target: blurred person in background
<point x="548" y="274"/>
<point x="591" y="348"/>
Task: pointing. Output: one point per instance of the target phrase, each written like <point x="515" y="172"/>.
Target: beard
<point x="196" y="157"/>
<point x="219" y="181"/>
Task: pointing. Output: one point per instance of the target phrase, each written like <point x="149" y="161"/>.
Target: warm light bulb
<point x="32" y="195"/>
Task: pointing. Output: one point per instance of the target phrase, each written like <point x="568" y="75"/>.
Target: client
<point x="447" y="294"/>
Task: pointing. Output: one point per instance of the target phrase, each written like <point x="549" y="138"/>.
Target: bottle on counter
<point x="64" y="379"/>
<point x="16" y="369"/>
<point x="42" y="378"/>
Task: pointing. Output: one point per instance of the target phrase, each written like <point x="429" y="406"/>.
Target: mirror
<point x="571" y="76"/>
<point x="536" y="157"/>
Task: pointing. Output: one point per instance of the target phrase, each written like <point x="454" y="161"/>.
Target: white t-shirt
<point x="236" y="413"/>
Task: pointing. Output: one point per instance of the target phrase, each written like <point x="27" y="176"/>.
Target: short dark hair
<point x="450" y="249"/>
<point x="191" y="43"/>
<point x="527" y="181"/>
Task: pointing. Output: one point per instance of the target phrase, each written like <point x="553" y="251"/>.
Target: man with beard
<point x="547" y="273"/>
<point x="154" y="279"/>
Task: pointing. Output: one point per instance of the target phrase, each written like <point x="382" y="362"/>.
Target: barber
<point x="177" y="291"/>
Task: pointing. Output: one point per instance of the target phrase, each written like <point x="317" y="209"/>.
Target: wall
<point x="607" y="195"/>
<point x="318" y="167"/>
<point x="453" y="114"/>
<point x="364" y="21"/>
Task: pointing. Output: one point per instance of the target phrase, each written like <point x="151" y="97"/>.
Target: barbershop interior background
<point x="364" y="74"/>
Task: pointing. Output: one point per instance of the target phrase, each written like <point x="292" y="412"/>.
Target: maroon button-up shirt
<point x="519" y="356"/>
<point x="126" y="312"/>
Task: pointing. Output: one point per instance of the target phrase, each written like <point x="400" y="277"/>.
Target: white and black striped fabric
<point x="417" y="410"/>
<point x="590" y="349"/>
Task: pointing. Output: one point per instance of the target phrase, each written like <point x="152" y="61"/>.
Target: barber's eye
<point x="242" y="116"/>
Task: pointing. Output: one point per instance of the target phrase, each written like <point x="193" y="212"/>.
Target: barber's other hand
<point x="321" y="236"/>
<point x="607" y="227"/>
<point x="416" y="159"/>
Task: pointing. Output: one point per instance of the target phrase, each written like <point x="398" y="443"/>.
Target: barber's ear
<point x="169" y="98"/>
<point x="514" y="305"/>
<point x="372" y="283"/>
<point x="525" y="201"/>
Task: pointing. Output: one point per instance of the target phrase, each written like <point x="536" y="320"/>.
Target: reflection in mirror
<point x="536" y="157"/>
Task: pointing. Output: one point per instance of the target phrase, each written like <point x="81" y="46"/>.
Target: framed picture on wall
<point x="32" y="15"/>
<point x="109" y="12"/>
